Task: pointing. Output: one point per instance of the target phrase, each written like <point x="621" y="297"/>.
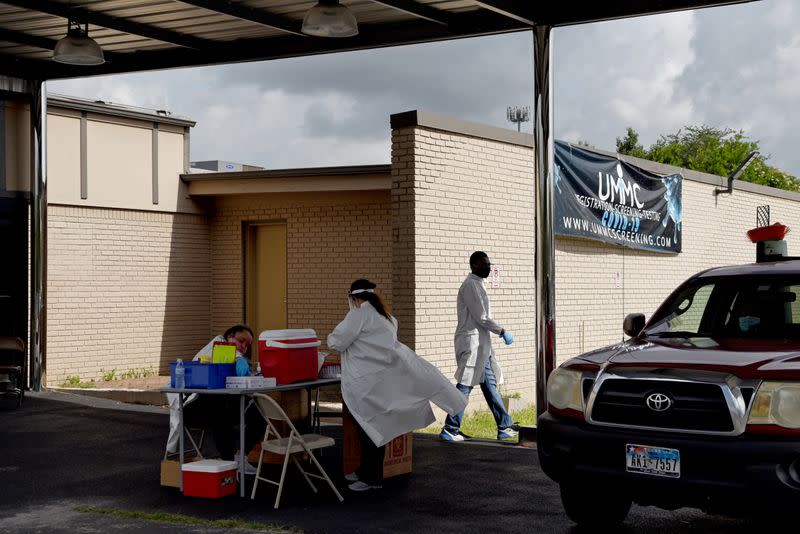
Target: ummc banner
<point x="600" y="197"/>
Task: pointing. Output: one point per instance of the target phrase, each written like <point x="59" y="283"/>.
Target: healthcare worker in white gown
<point x="387" y="388"/>
<point x="477" y="363"/>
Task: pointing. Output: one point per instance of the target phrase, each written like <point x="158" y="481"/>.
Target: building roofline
<point x="426" y="119"/>
<point x="117" y="110"/>
<point x="348" y="170"/>
<point x="435" y="121"/>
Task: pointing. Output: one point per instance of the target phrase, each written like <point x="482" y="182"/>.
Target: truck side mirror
<point x="633" y="324"/>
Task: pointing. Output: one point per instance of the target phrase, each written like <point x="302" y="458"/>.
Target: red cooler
<point x="209" y="478"/>
<point x="289" y="355"/>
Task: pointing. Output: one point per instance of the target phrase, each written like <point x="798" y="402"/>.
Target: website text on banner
<point x="600" y="197"/>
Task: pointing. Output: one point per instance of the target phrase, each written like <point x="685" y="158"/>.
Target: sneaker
<point x="507" y="433"/>
<point x="446" y="435"/>
<point x="362" y="486"/>
<point x="351" y="477"/>
<point x="248" y="467"/>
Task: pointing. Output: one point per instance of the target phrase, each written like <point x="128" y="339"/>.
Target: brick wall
<point x="126" y="290"/>
<point x="332" y="239"/>
<point x="455" y="191"/>
<point x="453" y="194"/>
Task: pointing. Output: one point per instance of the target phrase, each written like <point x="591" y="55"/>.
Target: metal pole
<point x="545" y="249"/>
<point x="38" y="233"/>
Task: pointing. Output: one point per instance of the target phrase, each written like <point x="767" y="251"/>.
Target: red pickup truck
<point x="699" y="408"/>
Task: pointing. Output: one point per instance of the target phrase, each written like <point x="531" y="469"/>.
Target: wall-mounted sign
<point x="494" y="277"/>
<point x="600" y="197"/>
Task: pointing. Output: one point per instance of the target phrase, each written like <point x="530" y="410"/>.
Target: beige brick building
<point x="135" y="284"/>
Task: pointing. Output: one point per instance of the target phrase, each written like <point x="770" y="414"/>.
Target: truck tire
<point x="594" y="505"/>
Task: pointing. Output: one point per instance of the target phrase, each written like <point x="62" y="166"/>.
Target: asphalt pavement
<point x="62" y="454"/>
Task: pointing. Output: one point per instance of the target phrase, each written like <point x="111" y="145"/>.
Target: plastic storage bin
<point x="289" y="355"/>
<point x="204" y="375"/>
<point x="209" y="478"/>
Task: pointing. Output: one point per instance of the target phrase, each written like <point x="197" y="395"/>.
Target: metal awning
<point x="138" y="35"/>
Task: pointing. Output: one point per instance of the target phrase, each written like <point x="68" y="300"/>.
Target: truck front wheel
<point x="592" y="504"/>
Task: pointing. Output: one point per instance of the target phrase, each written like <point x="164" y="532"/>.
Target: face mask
<point x="483" y="272"/>
<point x="350" y="303"/>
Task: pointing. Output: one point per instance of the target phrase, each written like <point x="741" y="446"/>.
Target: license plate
<point x="656" y="461"/>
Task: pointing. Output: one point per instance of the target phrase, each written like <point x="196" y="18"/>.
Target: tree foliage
<point x="713" y="150"/>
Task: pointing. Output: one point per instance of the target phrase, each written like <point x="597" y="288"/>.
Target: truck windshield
<point x="725" y="307"/>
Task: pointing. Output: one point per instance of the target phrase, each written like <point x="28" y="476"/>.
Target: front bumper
<point x="714" y="470"/>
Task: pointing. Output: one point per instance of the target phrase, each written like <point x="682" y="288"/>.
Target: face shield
<point x="352" y="294"/>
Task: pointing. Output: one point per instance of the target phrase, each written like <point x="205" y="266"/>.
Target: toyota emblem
<point x="659" y="402"/>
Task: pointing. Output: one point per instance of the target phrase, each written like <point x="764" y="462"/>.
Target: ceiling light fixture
<point x="329" y="19"/>
<point x="77" y="48"/>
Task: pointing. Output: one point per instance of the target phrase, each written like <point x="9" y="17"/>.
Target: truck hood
<point x="743" y="358"/>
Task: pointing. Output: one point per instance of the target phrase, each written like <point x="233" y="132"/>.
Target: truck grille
<point x="695" y="406"/>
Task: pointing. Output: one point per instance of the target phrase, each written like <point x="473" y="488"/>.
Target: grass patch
<point x="481" y="424"/>
<point x="189" y="520"/>
<point x="74" y="381"/>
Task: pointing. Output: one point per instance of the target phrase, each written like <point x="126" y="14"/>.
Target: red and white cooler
<point x="209" y="478"/>
<point x="289" y="355"/>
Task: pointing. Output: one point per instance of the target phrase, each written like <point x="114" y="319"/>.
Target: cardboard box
<point x="397" y="459"/>
<point x="211" y="479"/>
<point x="171" y="470"/>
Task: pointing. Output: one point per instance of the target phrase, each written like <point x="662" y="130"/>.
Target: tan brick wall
<point x="332" y="239"/>
<point x="454" y="194"/>
<point x="126" y="290"/>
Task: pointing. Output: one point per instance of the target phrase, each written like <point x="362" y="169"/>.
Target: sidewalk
<point x="57" y="455"/>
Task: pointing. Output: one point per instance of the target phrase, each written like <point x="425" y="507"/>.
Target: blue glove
<point x="508" y="339"/>
<point x="242" y="367"/>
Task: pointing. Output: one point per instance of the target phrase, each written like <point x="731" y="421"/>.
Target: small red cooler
<point x="289" y="355"/>
<point x="209" y="478"/>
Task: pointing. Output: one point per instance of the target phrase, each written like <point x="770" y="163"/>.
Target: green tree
<point x="713" y="150"/>
<point x="629" y="145"/>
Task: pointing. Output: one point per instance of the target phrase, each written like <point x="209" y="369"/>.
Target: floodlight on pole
<point x="518" y="115"/>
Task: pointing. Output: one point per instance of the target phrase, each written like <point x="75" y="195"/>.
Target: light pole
<point x="518" y="115"/>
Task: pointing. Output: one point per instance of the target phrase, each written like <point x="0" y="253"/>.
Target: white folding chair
<point x="288" y="446"/>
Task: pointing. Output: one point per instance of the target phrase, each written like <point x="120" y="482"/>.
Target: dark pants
<point x="371" y="468"/>
<point x="220" y="415"/>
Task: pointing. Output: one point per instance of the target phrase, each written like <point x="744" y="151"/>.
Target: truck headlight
<point x="776" y="403"/>
<point x="564" y="389"/>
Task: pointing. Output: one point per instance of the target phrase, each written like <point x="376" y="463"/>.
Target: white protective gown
<point x="385" y="385"/>
<point x="473" y="342"/>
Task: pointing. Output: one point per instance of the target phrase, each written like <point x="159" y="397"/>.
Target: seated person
<point x="242" y="337"/>
<point x="220" y="413"/>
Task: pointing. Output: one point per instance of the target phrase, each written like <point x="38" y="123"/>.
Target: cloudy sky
<point x="735" y="67"/>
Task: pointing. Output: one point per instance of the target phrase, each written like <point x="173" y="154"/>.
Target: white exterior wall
<point x="129" y="280"/>
<point x="454" y="194"/>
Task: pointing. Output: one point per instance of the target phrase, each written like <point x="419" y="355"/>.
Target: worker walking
<point x="386" y="387"/>
<point x="475" y="357"/>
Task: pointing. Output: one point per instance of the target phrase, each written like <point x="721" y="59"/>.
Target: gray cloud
<point x="731" y="66"/>
<point x="748" y="74"/>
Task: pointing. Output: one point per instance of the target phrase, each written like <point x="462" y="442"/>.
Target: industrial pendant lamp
<point x="329" y="19"/>
<point x="77" y="48"/>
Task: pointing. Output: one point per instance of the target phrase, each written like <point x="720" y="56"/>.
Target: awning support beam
<point x="543" y="178"/>
<point x="38" y="244"/>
